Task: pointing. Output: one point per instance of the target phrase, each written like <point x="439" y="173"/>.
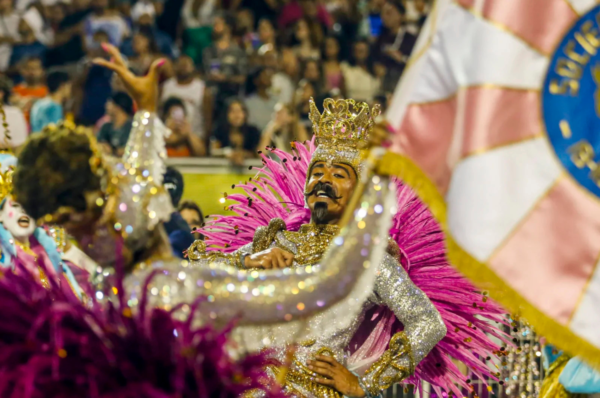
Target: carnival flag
<point x="497" y="121"/>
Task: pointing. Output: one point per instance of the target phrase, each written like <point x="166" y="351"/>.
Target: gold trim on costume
<point x="197" y="251"/>
<point x="479" y="272"/>
<point x="377" y="381"/>
<point x="551" y="387"/>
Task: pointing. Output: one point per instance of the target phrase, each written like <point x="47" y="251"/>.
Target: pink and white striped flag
<point x="499" y="108"/>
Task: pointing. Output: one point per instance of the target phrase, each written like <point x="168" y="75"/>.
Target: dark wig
<point x="54" y="171"/>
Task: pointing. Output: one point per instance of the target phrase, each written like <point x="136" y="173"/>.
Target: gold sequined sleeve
<point x="423" y="327"/>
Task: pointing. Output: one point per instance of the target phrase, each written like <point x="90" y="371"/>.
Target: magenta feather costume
<point x="470" y="317"/>
<point x="52" y="346"/>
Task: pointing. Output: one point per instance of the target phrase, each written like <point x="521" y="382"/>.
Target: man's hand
<point x="269" y="259"/>
<point x="336" y="376"/>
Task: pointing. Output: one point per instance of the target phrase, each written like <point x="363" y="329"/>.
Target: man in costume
<point x="26" y="247"/>
<point x="115" y="209"/>
<point x="290" y="213"/>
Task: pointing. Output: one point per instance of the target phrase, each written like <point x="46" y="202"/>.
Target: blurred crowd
<point x="238" y="75"/>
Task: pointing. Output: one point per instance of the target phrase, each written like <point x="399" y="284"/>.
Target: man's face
<point x="220" y="28"/>
<point x="184" y="67"/>
<point x="264" y="79"/>
<point x="33" y="72"/>
<point x="14" y="219"/>
<point x="329" y="189"/>
<point x="191" y="217"/>
<point x="390" y="16"/>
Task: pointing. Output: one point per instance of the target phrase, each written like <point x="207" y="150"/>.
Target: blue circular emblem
<point x="571" y="101"/>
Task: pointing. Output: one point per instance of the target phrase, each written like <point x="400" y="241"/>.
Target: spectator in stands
<point x="225" y="63"/>
<point x="182" y="142"/>
<point x="359" y="74"/>
<point x="304" y="93"/>
<point x="234" y="137"/>
<point x="422" y="7"/>
<point x="17" y="125"/>
<point x="9" y="32"/>
<point x="93" y="83"/>
<point x="297" y="9"/>
<point x="105" y="17"/>
<point x="192" y="214"/>
<point x="383" y="99"/>
<point x="307" y="41"/>
<point x="187" y="86"/>
<point x="394" y="45"/>
<point x="284" y="80"/>
<point x="312" y="71"/>
<point x="262" y="9"/>
<point x="32" y="88"/>
<point x="50" y="109"/>
<point x="114" y="134"/>
<point x="28" y="46"/>
<point x="348" y="17"/>
<point x="36" y="19"/>
<point x="177" y="229"/>
<point x="261" y="102"/>
<point x="332" y="66"/>
<point x="244" y="31"/>
<point x="266" y="33"/>
<point x="372" y="23"/>
<point x="68" y="42"/>
<point x="284" y="128"/>
<point x="197" y="17"/>
<point x="143" y="16"/>
<point x="145" y="52"/>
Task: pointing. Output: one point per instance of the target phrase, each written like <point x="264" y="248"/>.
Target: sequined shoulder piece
<point x="197" y="252"/>
<point x="265" y="236"/>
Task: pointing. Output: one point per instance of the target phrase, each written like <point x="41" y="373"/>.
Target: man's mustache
<point x="328" y="189"/>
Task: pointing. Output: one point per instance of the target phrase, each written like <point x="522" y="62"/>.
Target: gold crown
<point x="343" y="122"/>
<point x="340" y="131"/>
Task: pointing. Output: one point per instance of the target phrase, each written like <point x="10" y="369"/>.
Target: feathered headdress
<point x="54" y="347"/>
<point x="470" y="316"/>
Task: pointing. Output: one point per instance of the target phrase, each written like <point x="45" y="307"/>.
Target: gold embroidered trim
<point x="374" y="379"/>
<point x="480" y="273"/>
<point x="264" y="237"/>
<point x="301" y="376"/>
<point x="197" y="251"/>
<point x="551" y="387"/>
<point x="312" y="241"/>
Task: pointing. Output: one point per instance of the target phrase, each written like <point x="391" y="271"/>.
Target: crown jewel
<point x="343" y="122"/>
